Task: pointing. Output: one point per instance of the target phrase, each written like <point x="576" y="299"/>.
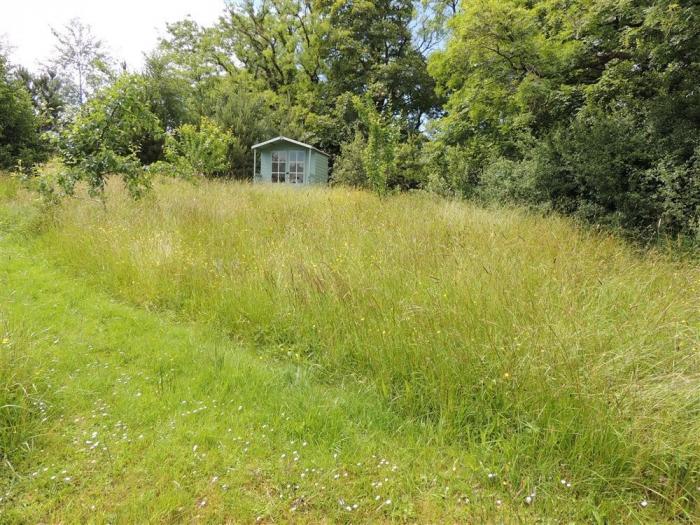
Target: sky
<point x="128" y="28"/>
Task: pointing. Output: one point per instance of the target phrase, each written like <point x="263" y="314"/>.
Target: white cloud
<point x="127" y="27"/>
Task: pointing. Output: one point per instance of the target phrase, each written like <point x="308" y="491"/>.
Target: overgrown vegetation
<point x="20" y="143"/>
<point x="518" y="367"/>
<point x="21" y="403"/>
<point x="558" y="353"/>
<point x="202" y="150"/>
<point x="589" y="109"/>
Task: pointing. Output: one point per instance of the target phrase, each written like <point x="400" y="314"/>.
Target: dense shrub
<point x="20" y="141"/>
<point x="199" y="150"/>
<point x="505" y="181"/>
<point x="349" y="168"/>
<point x="603" y="125"/>
<point x="406" y="171"/>
<point x="456" y="169"/>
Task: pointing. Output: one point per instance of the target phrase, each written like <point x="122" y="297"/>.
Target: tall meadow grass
<point x="21" y="403"/>
<point x="557" y="351"/>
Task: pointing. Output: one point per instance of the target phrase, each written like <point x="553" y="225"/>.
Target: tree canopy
<point x="586" y="107"/>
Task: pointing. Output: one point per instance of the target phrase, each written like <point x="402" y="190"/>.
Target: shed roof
<point x="285" y="139"/>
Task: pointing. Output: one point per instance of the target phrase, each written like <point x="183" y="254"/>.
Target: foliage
<point x="409" y="163"/>
<point x="48" y="97"/>
<point x="108" y="136"/>
<point x="403" y="166"/>
<point x="599" y="98"/>
<point x="185" y="67"/>
<point x="455" y="170"/>
<point x="199" y="150"/>
<point x="253" y="114"/>
<point x="19" y="130"/>
<point x="372" y="51"/>
<point x="378" y="159"/>
<point x="349" y="168"/>
<point x="81" y="59"/>
<point x="588" y="108"/>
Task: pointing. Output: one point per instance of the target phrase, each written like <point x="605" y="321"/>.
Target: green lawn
<point x="134" y="392"/>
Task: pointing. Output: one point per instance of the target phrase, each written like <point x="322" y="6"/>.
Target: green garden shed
<point x="286" y="161"/>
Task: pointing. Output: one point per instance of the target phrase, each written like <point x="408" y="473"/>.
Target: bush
<point x="607" y="168"/>
<point x="348" y="168"/>
<point x="199" y="150"/>
<point x="678" y="195"/>
<point x="20" y="142"/>
<point x="505" y="180"/>
<point x="456" y="170"/>
<point x="379" y="155"/>
<point x="409" y="172"/>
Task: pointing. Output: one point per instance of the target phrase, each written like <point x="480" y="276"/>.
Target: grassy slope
<point x="140" y="418"/>
<point x="524" y="347"/>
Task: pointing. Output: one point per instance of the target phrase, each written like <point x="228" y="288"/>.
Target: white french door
<point x="279" y="166"/>
<point x="296" y="167"/>
<point x="288" y="166"/>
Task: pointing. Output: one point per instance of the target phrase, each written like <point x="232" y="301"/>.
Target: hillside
<point x="417" y="358"/>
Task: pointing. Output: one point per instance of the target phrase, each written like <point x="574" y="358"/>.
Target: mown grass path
<point x="150" y="420"/>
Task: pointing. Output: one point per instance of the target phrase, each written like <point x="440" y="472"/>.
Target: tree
<point x="596" y="103"/>
<point x="349" y="168"/>
<point x="48" y="96"/>
<point x="378" y="158"/>
<point x="371" y="50"/>
<point x="253" y="114"/>
<point x="108" y="136"/>
<point x="81" y="58"/>
<point x="19" y="134"/>
<point x="278" y="41"/>
<point x="187" y="62"/>
<point x="431" y="23"/>
<point x="307" y="59"/>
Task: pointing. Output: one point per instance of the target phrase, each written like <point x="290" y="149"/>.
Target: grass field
<point x="418" y="359"/>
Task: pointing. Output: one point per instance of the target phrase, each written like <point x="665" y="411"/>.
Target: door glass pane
<point x="283" y="165"/>
<point x="300" y="166"/>
<point x="292" y="167"/>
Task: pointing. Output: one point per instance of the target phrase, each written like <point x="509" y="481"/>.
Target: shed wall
<point x="321" y="169"/>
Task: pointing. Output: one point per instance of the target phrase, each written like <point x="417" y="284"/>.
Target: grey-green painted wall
<point x="320" y="169"/>
<point x="315" y="163"/>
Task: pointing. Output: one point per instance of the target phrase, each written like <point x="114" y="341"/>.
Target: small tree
<point x="202" y="150"/>
<point x="107" y="137"/>
<point x="382" y="139"/>
<point x="349" y="168"/>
